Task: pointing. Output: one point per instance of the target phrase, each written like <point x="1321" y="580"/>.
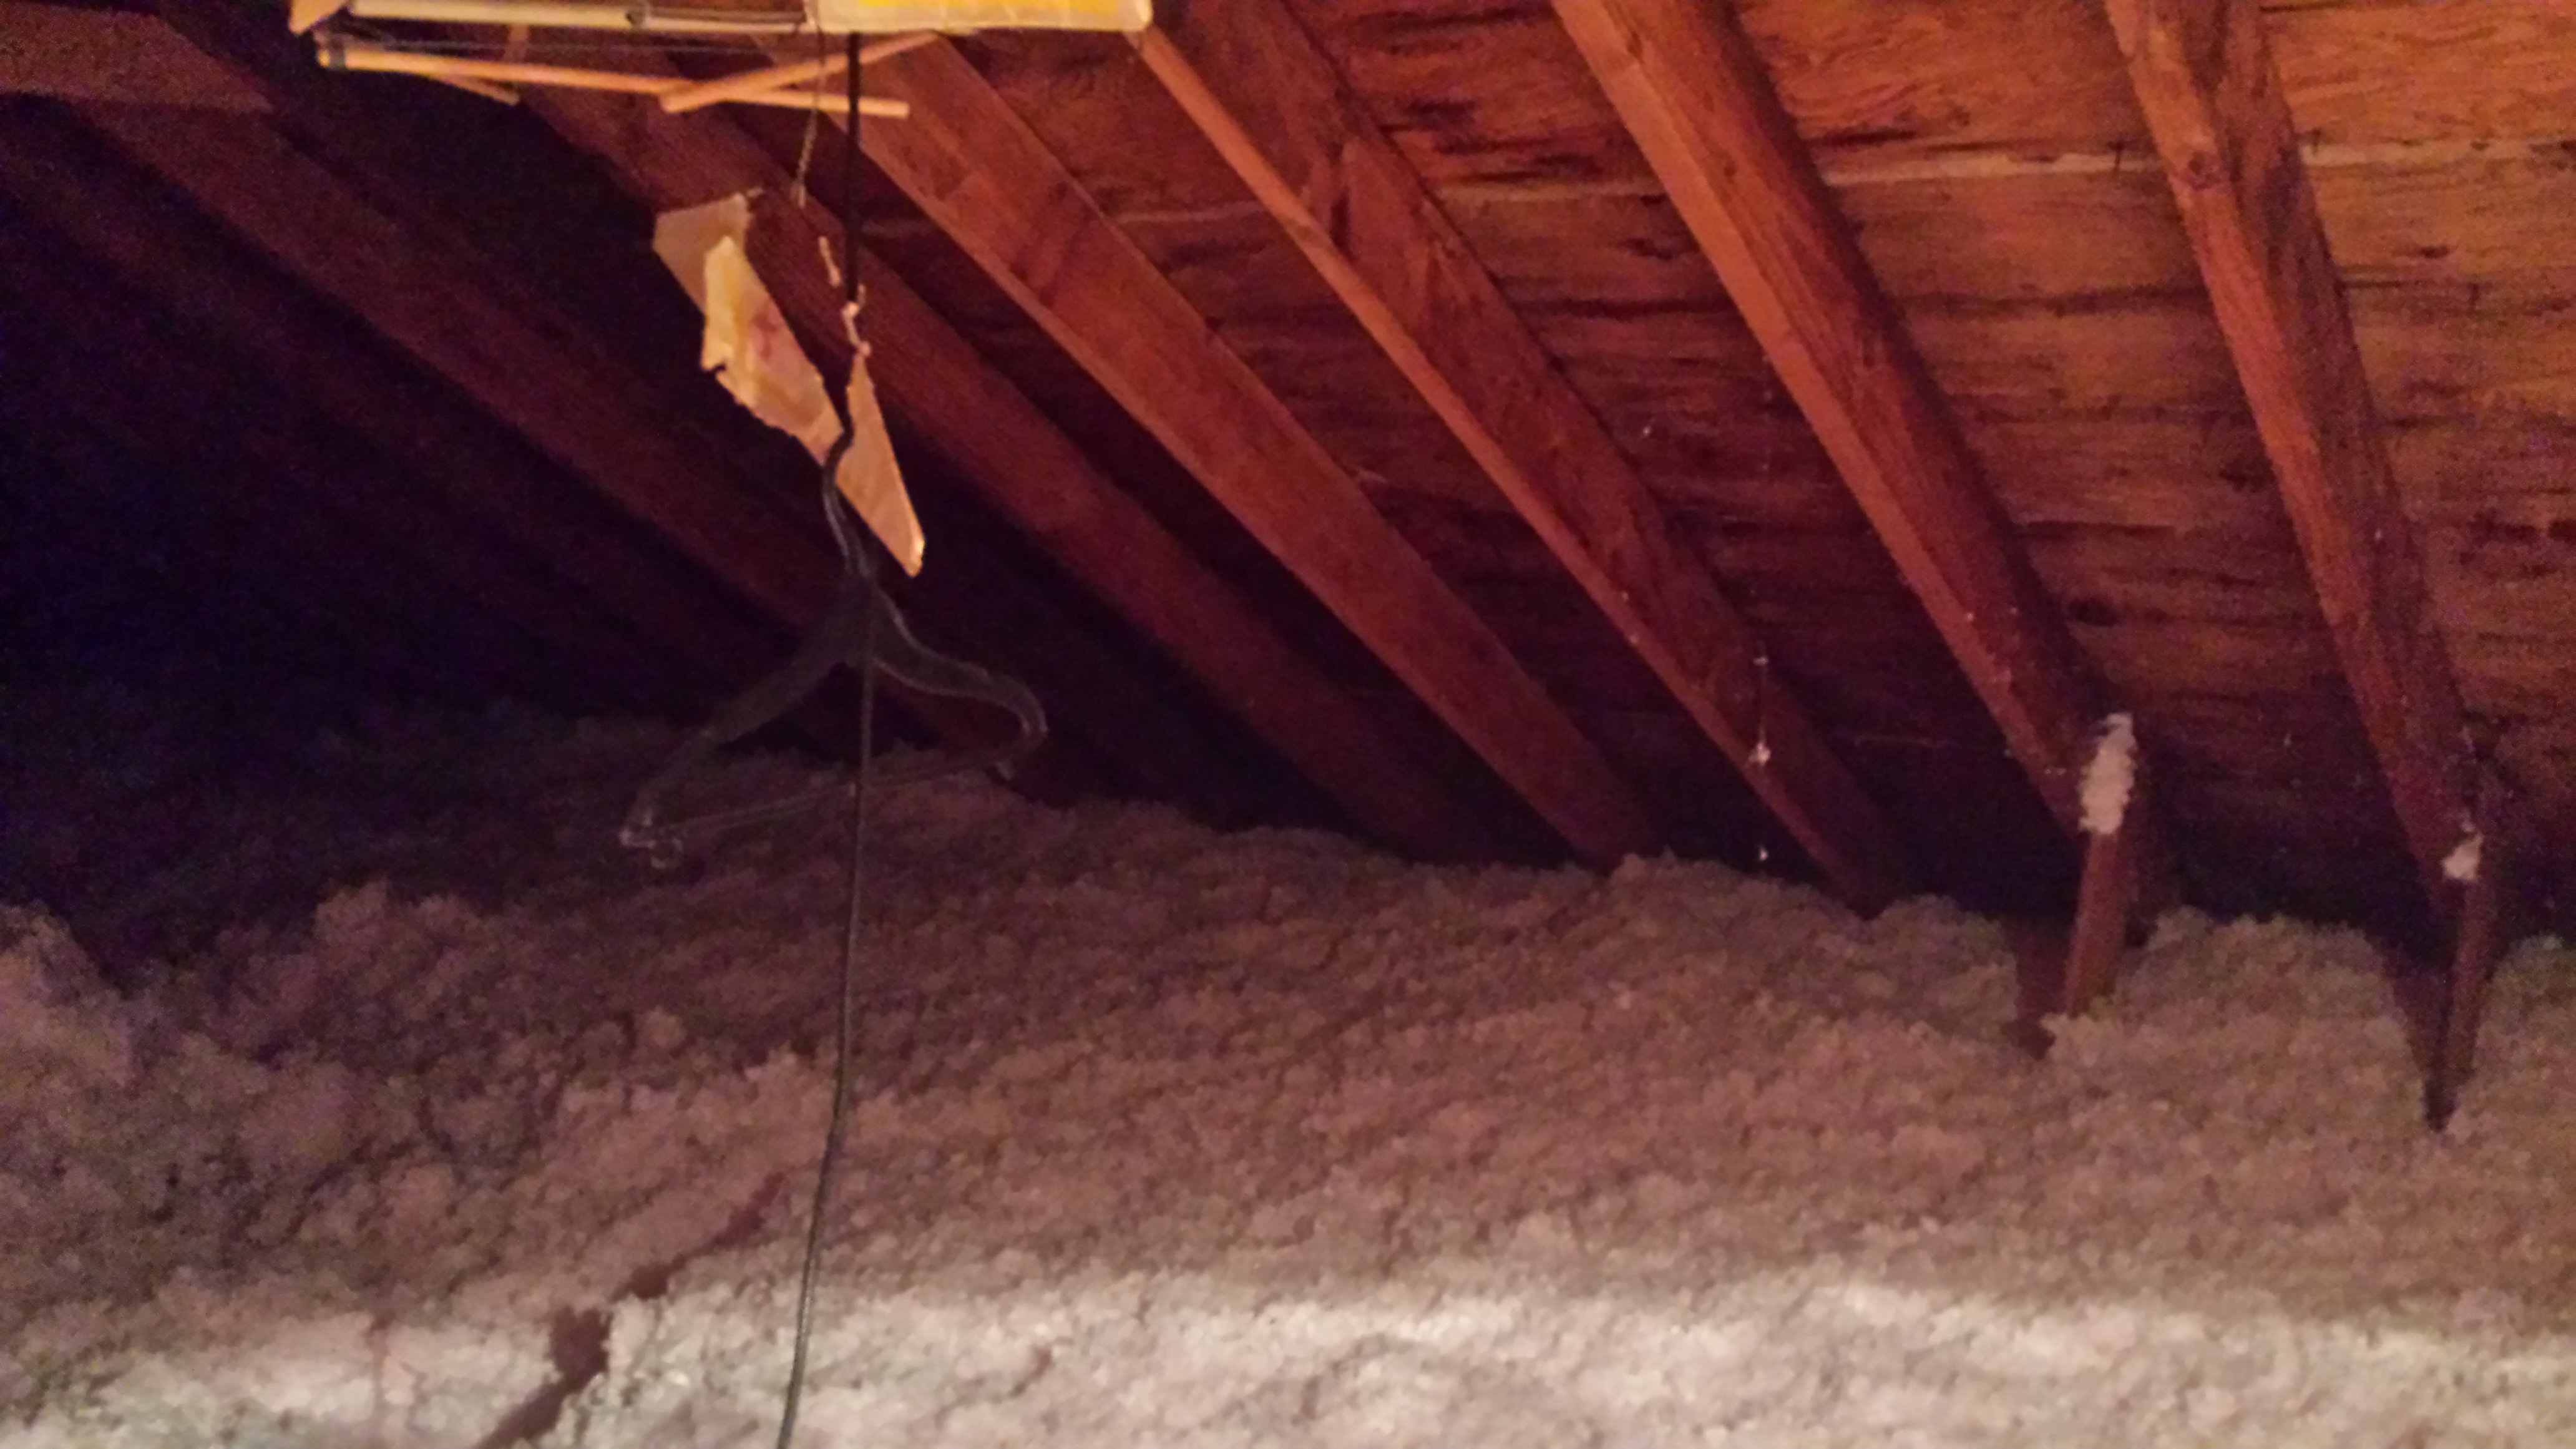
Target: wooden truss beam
<point x="1026" y="468"/>
<point x="1693" y="93"/>
<point x="2231" y="151"/>
<point x="986" y="180"/>
<point x="1278" y="111"/>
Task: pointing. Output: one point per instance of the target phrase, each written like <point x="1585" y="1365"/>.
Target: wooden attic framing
<point x="1784" y="430"/>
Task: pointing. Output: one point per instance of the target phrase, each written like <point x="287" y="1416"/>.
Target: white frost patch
<point x="1171" y="1137"/>
<point x="2462" y="863"/>
<point x="2111" y="775"/>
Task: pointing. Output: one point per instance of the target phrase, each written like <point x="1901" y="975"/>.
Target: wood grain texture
<point x="1695" y="96"/>
<point x="1001" y="446"/>
<point x="2477" y="70"/>
<point x="1274" y="107"/>
<point x="1877" y="79"/>
<point x="2223" y="126"/>
<point x="1481" y="94"/>
<point x="114" y="57"/>
<point x="969" y="163"/>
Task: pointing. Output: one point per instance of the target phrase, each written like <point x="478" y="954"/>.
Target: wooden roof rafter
<point x="1279" y="112"/>
<point x="976" y="169"/>
<point x="465" y="317"/>
<point x="1698" y="102"/>
<point x="1007" y="450"/>
<point x="2221" y="121"/>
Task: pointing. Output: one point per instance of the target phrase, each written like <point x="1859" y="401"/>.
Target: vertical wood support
<point x="2072" y="972"/>
<point x="2106" y="905"/>
<point x="2485" y="928"/>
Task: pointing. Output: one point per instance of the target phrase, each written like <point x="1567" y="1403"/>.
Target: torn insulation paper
<point x="2110" y="777"/>
<point x="753" y="352"/>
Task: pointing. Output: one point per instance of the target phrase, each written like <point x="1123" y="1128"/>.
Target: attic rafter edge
<point x="2221" y="121"/>
<point x="1276" y="109"/>
<point x="981" y="175"/>
<point x="1008" y="451"/>
<point x="470" y="320"/>
<point x="1693" y="94"/>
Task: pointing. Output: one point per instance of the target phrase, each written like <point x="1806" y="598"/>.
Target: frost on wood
<point x="2110" y="776"/>
<point x="1169" y="1137"/>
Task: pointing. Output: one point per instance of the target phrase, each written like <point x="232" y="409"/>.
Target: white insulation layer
<point x="2111" y="776"/>
<point x="2462" y="863"/>
<point x="464" y="1121"/>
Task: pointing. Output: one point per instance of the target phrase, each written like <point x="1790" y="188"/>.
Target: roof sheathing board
<point x="1264" y="302"/>
<point x="1492" y="105"/>
<point x="1983" y="154"/>
<point x="2460" y="287"/>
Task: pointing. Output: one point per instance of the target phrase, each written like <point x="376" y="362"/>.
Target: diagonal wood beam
<point x="1693" y="93"/>
<point x="470" y="321"/>
<point x="1026" y="468"/>
<point x="569" y="399"/>
<point x="1278" y="111"/>
<point x="986" y="180"/>
<point x="2230" y="148"/>
<point x="124" y="224"/>
<point x="83" y="53"/>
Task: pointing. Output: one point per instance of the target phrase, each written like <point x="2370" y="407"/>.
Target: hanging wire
<point x="845" y="1037"/>
<point x="813" y="125"/>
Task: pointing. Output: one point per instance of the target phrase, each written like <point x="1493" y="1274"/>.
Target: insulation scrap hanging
<point x="752" y="351"/>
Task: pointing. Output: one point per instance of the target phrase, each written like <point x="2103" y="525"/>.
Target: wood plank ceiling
<point x="1778" y="431"/>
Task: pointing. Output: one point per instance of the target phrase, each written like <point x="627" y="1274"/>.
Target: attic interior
<point x="1768" y="444"/>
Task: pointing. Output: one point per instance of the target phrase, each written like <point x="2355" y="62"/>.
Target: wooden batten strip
<point x="478" y="74"/>
<point x="1277" y="110"/>
<point x="2231" y="149"/>
<point x="1025" y="467"/>
<point x="1693" y="93"/>
<point x="781" y="79"/>
<point x="986" y="180"/>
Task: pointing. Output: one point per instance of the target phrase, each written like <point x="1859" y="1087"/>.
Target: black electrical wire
<point x="845" y="1036"/>
<point x="844" y="1056"/>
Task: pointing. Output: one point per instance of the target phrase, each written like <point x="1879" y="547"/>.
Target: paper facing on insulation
<point x="754" y="353"/>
